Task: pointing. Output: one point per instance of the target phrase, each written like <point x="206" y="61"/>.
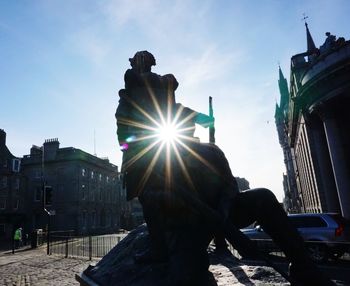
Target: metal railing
<point x="70" y="245"/>
<point x="83" y="246"/>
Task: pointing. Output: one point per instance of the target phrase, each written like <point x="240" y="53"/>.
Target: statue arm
<point x="204" y="120"/>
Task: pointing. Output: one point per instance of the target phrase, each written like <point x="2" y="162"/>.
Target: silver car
<point x="327" y="235"/>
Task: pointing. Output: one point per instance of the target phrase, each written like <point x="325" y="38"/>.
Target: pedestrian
<point x="25" y="239"/>
<point x="18" y="237"/>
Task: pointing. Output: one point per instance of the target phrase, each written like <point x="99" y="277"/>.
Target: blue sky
<point x="62" y="64"/>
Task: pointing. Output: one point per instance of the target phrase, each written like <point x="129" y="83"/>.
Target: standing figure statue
<point x="187" y="189"/>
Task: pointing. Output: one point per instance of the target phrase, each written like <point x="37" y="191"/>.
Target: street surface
<point x="34" y="267"/>
<point x="338" y="270"/>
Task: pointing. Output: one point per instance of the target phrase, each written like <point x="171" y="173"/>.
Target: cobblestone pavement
<point x="34" y="267"/>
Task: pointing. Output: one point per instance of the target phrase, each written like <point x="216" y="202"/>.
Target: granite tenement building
<point x="312" y="122"/>
<point x="11" y="193"/>
<point x="86" y="194"/>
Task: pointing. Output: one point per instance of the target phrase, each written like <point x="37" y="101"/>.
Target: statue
<point x="187" y="189"/>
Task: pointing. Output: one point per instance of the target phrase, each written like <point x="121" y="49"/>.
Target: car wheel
<point x="318" y="252"/>
<point x="336" y="254"/>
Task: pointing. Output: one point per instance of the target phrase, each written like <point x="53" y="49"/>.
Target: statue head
<point x="142" y="61"/>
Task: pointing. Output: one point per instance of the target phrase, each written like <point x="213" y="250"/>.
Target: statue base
<point x="119" y="268"/>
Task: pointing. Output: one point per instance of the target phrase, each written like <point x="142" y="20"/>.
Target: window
<point x="92" y="194"/>
<point x="16" y="204"/>
<point x="307" y="221"/>
<point x="83" y="191"/>
<point x="107" y="179"/>
<point x="16" y="184"/>
<point x="83" y="219"/>
<point x="92" y="174"/>
<point x="37" y="195"/>
<point x="83" y="172"/>
<point x="16" y="165"/>
<point x="93" y="219"/>
<point x="3" y="182"/>
<point x="2" y="203"/>
<point x="108" y="219"/>
<point x="2" y="229"/>
<point x="100" y="177"/>
<point x="38" y="174"/>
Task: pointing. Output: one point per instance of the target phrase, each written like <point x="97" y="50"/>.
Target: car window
<point x="340" y="219"/>
<point x="307" y="221"/>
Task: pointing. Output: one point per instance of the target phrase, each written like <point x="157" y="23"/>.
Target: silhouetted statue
<point x="329" y="43"/>
<point x="187" y="189"/>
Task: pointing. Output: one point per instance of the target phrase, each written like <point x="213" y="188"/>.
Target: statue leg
<point x="189" y="262"/>
<point x="262" y="206"/>
<point x="221" y="246"/>
<point x="153" y="213"/>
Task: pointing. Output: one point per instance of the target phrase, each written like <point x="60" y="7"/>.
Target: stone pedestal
<point x="118" y="268"/>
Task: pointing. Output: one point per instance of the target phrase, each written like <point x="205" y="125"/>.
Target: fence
<point x="69" y="245"/>
<point x="83" y="246"/>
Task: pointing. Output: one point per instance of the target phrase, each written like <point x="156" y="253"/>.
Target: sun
<point x="167" y="133"/>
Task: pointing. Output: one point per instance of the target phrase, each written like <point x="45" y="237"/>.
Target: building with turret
<point x="291" y="200"/>
<point x="312" y="123"/>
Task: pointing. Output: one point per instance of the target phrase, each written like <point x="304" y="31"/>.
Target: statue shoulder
<point x="132" y="79"/>
<point x="170" y="81"/>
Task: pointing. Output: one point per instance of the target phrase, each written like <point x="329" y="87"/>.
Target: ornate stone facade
<point x="312" y="125"/>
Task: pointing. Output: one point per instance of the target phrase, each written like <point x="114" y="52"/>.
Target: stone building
<point x="85" y="191"/>
<point x="291" y="200"/>
<point x="11" y="194"/>
<point x="312" y="122"/>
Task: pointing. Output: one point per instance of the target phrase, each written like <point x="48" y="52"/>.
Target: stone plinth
<point x="118" y="268"/>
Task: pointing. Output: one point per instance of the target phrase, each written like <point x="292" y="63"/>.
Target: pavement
<point x="29" y="267"/>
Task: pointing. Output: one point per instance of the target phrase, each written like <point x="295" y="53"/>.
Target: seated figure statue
<point x="187" y="189"/>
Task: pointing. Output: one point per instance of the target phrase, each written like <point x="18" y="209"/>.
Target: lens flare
<point x="124" y="146"/>
<point x="167" y="133"/>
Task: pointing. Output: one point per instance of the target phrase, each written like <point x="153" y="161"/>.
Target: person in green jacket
<point x="18" y="237"/>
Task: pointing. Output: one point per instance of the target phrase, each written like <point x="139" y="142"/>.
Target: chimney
<point x="2" y="138"/>
<point x="50" y="148"/>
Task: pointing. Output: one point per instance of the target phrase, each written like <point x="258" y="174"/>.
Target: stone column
<point x="323" y="163"/>
<point x="341" y="176"/>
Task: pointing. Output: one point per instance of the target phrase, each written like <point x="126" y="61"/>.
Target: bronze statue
<point x="187" y="189"/>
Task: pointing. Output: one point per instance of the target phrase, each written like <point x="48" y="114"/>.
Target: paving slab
<point x="34" y="267"/>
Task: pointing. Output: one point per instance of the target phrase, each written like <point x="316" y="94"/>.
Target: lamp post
<point x="45" y="197"/>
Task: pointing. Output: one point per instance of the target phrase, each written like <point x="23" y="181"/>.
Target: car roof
<point x="313" y="214"/>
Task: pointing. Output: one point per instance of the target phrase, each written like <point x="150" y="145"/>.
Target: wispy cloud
<point x="122" y="12"/>
<point x="90" y="44"/>
<point x="208" y="65"/>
